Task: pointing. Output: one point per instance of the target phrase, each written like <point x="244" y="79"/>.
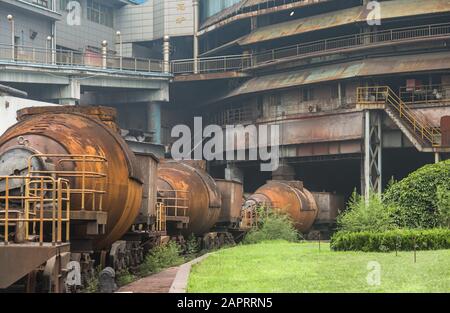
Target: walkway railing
<point x="28" y="204"/>
<point x="243" y="62"/>
<point x="89" y="59"/>
<point x="425" y="94"/>
<point x="383" y="95"/>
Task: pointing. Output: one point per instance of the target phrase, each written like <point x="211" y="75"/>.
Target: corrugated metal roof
<point x="240" y="7"/>
<point x="369" y="67"/>
<point x="389" y="9"/>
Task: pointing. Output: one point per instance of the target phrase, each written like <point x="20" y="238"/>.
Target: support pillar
<point x="232" y="172"/>
<point x="373" y="147"/>
<point x="437" y="157"/>
<point x="154" y="120"/>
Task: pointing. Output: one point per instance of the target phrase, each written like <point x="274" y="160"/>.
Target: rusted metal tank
<point x="203" y="195"/>
<point x="80" y="131"/>
<point x="148" y="164"/>
<point x="288" y="197"/>
<point x="232" y="195"/>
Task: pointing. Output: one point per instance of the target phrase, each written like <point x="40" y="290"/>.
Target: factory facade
<point x="357" y="88"/>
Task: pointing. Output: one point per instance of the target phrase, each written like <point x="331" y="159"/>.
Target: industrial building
<point x="348" y="91"/>
<point x="304" y="65"/>
<point x="355" y="92"/>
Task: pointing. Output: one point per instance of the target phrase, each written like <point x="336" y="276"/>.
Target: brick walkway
<point x="158" y="283"/>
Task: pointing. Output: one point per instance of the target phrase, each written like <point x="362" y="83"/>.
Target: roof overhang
<point x="389" y="10"/>
<point x="32" y="8"/>
<point x="364" y="68"/>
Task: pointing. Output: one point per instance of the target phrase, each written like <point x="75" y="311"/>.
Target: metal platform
<point x="17" y="260"/>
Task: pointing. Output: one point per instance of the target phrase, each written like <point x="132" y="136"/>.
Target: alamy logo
<point x="374" y="276"/>
<point x="214" y="142"/>
<point x="374" y="15"/>
<point x="73" y="13"/>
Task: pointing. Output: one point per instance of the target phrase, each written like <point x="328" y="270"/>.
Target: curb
<point x="179" y="284"/>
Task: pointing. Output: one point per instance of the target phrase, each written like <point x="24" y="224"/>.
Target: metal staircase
<point x="424" y="136"/>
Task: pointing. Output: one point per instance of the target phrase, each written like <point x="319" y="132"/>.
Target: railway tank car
<point x="81" y="145"/>
<point x="289" y="197"/>
<point x="191" y="196"/>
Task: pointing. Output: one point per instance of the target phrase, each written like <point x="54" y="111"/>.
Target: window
<point x="307" y="94"/>
<point x="99" y="13"/>
<point x="42" y="3"/>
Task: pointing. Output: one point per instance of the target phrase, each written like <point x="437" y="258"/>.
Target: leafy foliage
<point x="273" y="226"/>
<point x="192" y="246"/>
<point x="362" y="215"/>
<point x="416" y="199"/>
<point x="443" y="205"/>
<point x="399" y="239"/>
<point x="160" y="258"/>
<point x="124" y="277"/>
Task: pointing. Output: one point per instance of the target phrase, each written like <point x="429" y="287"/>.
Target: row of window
<point x="96" y="12"/>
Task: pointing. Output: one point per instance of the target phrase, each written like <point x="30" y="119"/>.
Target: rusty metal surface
<point x="148" y="164"/>
<point x="290" y="198"/>
<point x="232" y="195"/>
<point x="445" y="129"/>
<point x="328" y="128"/>
<point x="329" y="205"/>
<point x="76" y="133"/>
<point x="243" y="9"/>
<point x="389" y="10"/>
<point x="17" y="260"/>
<point x="370" y="67"/>
<point x="204" y="197"/>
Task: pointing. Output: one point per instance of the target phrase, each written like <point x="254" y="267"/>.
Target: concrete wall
<point x="88" y="33"/>
<point x="154" y="19"/>
<point x="10" y="105"/>
<point x="136" y="22"/>
<point x="25" y="24"/>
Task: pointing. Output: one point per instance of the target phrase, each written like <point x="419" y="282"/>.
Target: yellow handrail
<point x="385" y="96"/>
<point x="37" y="200"/>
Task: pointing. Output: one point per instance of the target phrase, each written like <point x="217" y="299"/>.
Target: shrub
<point x="273" y="227"/>
<point x="415" y="197"/>
<point x="400" y="239"/>
<point x="362" y="215"/>
<point x="443" y="205"/>
<point x="124" y="277"/>
<point x="192" y="246"/>
<point x="160" y="258"/>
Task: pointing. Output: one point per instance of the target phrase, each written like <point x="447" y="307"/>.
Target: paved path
<point x="158" y="283"/>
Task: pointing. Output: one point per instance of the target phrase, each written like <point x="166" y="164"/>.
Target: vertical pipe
<point x="53" y="43"/>
<point x="6" y="209"/>
<point x="196" y="18"/>
<point x="367" y="173"/>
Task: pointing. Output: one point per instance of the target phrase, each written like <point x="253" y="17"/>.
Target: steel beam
<point x="373" y="144"/>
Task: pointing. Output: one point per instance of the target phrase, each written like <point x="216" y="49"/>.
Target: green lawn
<point x="288" y="267"/>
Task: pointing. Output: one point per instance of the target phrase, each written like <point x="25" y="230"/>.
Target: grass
<point x="301" y="267"/>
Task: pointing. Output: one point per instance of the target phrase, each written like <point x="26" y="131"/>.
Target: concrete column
<point x="196" y="12"/>
<point x="154" y="120"/>
<point x="65" y="95"/>
<point x="232" y="172"/>
<point x="437" y="157"/>
<point x="166" y="54"/>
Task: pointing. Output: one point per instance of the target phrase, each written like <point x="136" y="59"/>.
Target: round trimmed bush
<point x="415" y="198"/>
